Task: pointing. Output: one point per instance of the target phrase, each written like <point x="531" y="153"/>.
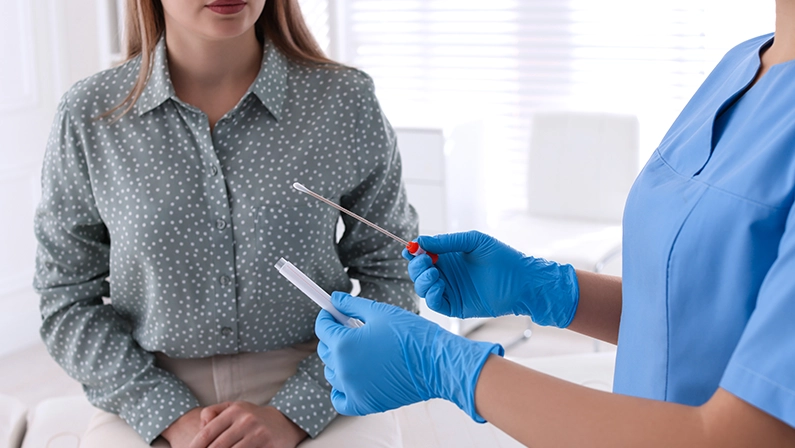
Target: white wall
<point x="47" y="46"/>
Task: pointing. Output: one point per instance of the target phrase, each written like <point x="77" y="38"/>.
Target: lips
<point x="226" y="7"/>
<point x="227" y="3"/>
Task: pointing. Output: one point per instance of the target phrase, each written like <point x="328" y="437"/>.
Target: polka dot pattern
<point x="180" y="227"/>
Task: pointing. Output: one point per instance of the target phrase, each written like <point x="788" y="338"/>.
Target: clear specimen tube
<point x="314" y="292"/>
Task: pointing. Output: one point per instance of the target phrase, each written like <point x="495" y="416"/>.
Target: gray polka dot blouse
<point x="180" y="226"/>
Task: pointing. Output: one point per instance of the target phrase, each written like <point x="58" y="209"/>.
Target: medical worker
<point x="704" y="316"/>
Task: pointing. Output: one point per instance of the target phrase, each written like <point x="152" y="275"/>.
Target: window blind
<point x="501" y="60"/>
<point x="316" y="15"/>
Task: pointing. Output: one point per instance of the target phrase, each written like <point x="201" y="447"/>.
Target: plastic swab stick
<point x="413" y="247"/>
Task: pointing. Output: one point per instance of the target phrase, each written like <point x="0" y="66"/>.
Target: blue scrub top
<point x="709" y="247"/>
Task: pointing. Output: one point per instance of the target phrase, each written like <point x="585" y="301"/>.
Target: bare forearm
<point x="542" y="411"/>
<point x="599" y="310"/>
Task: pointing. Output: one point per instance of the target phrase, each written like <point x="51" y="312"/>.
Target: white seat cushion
<point x="12" y="421"/>
<point x="58" y="423"/>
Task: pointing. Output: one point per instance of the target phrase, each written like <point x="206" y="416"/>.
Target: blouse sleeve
<point x="380" y="197"/>
<point x="372" y="258"/>
<point x="90" y="341"/>
<point x="305" y="398"/>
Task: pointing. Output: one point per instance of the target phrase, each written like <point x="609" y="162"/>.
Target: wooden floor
<point x="31" y="375"/>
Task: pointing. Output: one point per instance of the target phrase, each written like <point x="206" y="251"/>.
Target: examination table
<point x="60" y="422"/>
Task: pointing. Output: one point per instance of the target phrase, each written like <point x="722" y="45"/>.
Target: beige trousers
<point x="252" y="377"/>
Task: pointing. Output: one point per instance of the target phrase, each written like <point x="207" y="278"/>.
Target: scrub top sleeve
<point x="87" y="338"/>
<point x="761" y="370"/>
<point x="379" y="196"/>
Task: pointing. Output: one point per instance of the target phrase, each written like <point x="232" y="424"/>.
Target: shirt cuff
<point x="159" y="408"/>
<point x="306" y="403"/>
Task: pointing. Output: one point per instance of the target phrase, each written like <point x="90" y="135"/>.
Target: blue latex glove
<point x="478" y="276"/>
<point x="397" y="358"/>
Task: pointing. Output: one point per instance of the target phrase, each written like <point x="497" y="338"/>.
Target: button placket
<point x="224" y="305"/>
<point x="224" y="248"/>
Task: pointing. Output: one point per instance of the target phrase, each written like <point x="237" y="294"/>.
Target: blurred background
<point x="511" y="115"/>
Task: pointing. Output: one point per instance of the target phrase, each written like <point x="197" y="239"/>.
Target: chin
<point x="226" y="34"/>
<point x="228" y="30"/>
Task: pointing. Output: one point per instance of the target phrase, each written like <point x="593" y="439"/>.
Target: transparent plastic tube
<point x="314" y="292"/>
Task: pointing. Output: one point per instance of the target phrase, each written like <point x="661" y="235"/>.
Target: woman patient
<point x="167" y="192"/>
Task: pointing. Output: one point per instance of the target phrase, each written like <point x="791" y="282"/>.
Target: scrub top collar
<point x="736" y="79"/>
<point x="270" y="86"/>
<point x="744" y="77"/>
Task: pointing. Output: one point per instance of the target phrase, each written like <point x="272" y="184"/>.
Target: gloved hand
<point x="397" y="358"/>
<point x="479" y="276"/>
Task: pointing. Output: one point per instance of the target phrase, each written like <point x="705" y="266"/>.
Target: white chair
<point x="12" y="421"/>
<point x="581" y="167"/>
<point x="442" y="179"/>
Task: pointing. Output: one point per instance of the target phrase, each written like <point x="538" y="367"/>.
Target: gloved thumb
<point x="352" y="306"/>
<point x="452" y="242"/>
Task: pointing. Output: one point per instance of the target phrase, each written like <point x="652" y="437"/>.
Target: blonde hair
<point x="281" y="22"/>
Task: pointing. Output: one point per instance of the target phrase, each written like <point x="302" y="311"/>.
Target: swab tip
<point x="300" y="187"/>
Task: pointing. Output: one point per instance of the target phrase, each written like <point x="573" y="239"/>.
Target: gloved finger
<point x="325" y="354"/>
<point x="424" y="281"/>
<point x="452" y="242"/>
<point x="340" y="403"/>
<point x="352" y="306"/>
<point x="418" y="265"/>
<point x="331" y="377"/>
<point x="327" y="329"/>
<point x="436" y="300"/>
<point x="407" y="255"/>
